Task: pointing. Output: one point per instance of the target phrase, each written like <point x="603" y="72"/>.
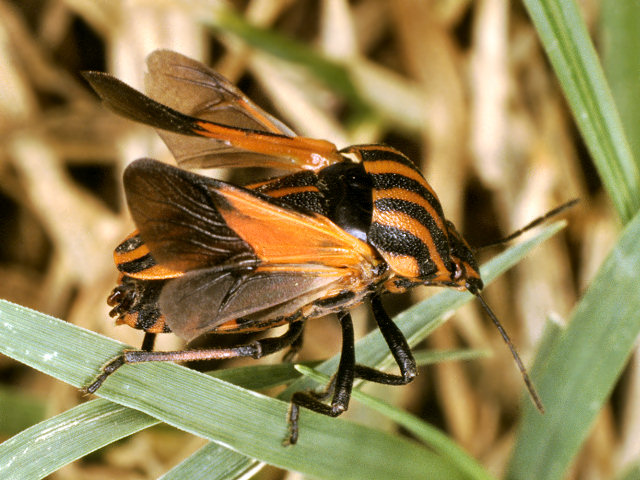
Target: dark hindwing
<point x="200" y="301"/>
<point x="178" y="221"/>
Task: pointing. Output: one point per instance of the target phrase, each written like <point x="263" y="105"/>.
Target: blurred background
<point x="462" y="87"/>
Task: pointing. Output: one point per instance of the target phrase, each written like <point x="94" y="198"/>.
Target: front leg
<point x="397" y="345"/>
<point x="341" y="384"/>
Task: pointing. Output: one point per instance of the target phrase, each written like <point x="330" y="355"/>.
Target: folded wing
<point x="241" y="252"/>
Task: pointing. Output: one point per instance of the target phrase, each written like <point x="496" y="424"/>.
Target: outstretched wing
<point x="240" y="252"/>
<point x="208" y="122"/>
<point x="194" y="89"/>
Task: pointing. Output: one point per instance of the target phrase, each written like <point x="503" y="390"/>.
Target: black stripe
<point x="400" y="242"/>
<point x="335" y="301"/>
<point x="129" y="245"/>
<point x="138" y="265"/>
<point x="299" y="179"/>
<point x="309" y="201"/>
<point x="149" y="315"/>
<point x="387" y="181"/>
<point x="306" y="201"/>
<point x="419" y="213"/>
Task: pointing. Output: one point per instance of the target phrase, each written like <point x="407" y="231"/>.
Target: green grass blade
<point x="45" y="447"/>
<point x="620" y="37"/>
<point x="422" y="430"/>
<point x="200" y="464"/>
<point x="213" y="462"/>
<point x="87" y="427"/>
<point x="245" y="421"/>
<point x="213" y="409"/>
<point x="582" y="365"/>
<point x="567" y="43"/>
<point x="429" y="357"/>
<point x="259" y="377"/>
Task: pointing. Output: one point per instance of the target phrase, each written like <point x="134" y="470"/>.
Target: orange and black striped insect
<point x="212" y="257"/>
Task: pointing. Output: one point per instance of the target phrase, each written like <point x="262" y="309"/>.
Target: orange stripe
<point x="290" y="191"/>
<point x="131" y="256"/>
<point x="375" y="146"/>
<point x="130" y="319"/>
<point x="307" y="153"/>
<point x="309" y="269"/>
<point x="403" y="265"/>
<point x="232" y="326"/>
<point x="253" y="186"/>
<point x="157" y="272"/>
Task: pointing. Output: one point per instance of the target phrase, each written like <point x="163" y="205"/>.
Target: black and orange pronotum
<point x="208" y="256"/>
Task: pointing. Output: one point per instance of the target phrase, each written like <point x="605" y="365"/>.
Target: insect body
<point x="213" y="257"/>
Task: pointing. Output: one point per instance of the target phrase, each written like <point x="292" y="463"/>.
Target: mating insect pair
<point x="212" y="257"/>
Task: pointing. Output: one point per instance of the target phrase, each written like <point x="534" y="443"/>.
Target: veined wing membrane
<point x="199" y="301"/>
<point x="192" y="88"/>
<point x="178" y="221"/>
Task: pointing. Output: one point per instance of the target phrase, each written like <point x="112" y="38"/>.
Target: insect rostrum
<point x="343" y="227"/>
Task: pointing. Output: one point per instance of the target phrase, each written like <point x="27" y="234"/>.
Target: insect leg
<point x="295" y="347"/>
<point x="257" y="349"/>
<point x="148" y="341"/>
<point x="397" y="345"/>
<point x="341" y="384"/>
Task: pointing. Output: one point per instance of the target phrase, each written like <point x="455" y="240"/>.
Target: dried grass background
<point x="462" y="87"/>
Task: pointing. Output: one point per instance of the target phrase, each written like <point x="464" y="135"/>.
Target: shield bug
<point x="344" y="227"/>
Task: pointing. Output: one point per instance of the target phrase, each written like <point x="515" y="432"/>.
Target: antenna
<point x="531" y="224"/>
<point x="527" y="380"/>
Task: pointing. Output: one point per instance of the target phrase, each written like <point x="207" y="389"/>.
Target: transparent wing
<point x="206" y="122"/>
<point x="194" y="89"/>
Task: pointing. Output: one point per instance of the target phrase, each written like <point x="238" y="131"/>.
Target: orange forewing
<point x="284" y="236"/>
